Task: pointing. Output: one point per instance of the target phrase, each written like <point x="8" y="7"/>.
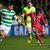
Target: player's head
<point x="38" y="12"/>
<point x="10" y="6"/>
<point x="37" y="5"/>
<point x="29" y="4"/>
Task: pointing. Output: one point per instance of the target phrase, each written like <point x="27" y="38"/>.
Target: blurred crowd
<point x="42" y="5"/>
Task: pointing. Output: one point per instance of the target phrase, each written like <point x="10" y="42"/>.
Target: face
<point x="30" y="4"/>
<point x="10" y="7"/>
<point x="37" y="5"/>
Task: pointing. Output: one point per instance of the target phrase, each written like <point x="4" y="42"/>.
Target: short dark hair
<point x="29" y="2"/>
<point x="7" y="4"/>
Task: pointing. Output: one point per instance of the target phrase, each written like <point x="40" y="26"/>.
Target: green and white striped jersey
<point x="7" y="17"/>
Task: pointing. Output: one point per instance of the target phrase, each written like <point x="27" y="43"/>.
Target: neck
<point x="9" y="9"/>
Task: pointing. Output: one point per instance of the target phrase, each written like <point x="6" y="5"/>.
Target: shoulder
<point x="25" y="8"/>
<point x="4" y="10"/>
<point x="33" y="7"/>
<point x="12" y="11"/>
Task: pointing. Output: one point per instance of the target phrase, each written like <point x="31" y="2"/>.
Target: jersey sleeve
<point x="43" y="19"/>
<point x="14" y="16"/>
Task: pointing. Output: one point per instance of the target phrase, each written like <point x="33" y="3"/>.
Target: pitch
<point x="20" y="43"/>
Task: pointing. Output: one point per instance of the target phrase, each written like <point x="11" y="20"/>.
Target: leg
<point x="29" y="35"/>
<point x="2" y="35"/>
<point x="43" y="33"/>
<point x="38" y="37"/>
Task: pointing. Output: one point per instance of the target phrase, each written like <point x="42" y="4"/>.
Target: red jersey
<point x="33" y="17"/>
<point x="40" y="17"/>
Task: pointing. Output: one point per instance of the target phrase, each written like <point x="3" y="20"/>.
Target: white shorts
<point x="5" y="28"/>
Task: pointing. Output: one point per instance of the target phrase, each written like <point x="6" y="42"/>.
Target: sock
<point x="39" y="43"/>
<point x="38" y="38"/>
<point x="30" y="36"/>
<point x="1" y="40"/>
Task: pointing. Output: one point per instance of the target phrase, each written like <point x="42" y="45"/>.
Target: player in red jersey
<point x="40" y="17"/>
<point x="39" y="28"/>
<point x="34" y="26"/>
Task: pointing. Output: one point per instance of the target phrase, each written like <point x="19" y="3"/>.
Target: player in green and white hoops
<point x="6" y="22"/>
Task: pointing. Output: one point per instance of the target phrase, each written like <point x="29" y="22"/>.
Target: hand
<point x="22" y="15"/>
<point x="23" y="24"/>
<point x="46" y="25"/>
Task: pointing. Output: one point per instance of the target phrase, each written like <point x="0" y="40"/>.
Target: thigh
<point x="6" y="29"/>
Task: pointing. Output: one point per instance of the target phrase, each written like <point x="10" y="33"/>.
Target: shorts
<point x="28" y="25"/>
<point x="5" y="28"/>
<point x="37" y="27"/>
<point x="28" y="22"/>
<point x="40" y="29"/>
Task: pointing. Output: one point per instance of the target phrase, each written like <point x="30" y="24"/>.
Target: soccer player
<point x="34" y="26"/>
<point x="27" y="10"/>
<point x="6" y="22"/>
<point x="39" y="28"/>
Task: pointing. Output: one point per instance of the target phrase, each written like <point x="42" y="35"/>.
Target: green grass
<point x="20" y="43"/>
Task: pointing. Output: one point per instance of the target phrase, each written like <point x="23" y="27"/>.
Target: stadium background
<point x="18" y="7"/>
